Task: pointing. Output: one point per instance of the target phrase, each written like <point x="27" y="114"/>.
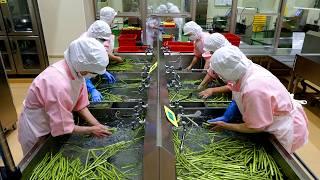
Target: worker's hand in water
<point x="206" y="93"/>
<point x="218" y="126"/>
<point x="109" y="77"/>
<point x="96" y="96"/>
<point x="100" y="131"/>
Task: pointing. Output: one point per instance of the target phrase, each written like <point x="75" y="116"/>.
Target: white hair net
<point x="193" y="29"/>
<point x="162" y="9"/>
<point x="175" y="9"/>
<point x="169" y="5"/>
<point x="215" y="41"/>
<point x="230" y="63"/>
<point x="87" y="54"/>
<point x="99" y="30"/>
<point x="107" y="14"/>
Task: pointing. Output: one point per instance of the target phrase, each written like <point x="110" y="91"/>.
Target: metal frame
<point x="3" y="31"/>
<point x="41" y="34"/>
<point x="281" y="10"/>
<point x="233" y="20"/>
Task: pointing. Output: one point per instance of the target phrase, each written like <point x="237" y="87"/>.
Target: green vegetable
<point x="222" y="157"/>
<point x="96" y="165"/>
<point x="127" y="65"/>
<point x="217" y="99"/>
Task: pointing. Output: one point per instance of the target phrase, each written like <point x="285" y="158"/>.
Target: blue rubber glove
<point x="109" y="77"/>
<point x="231" y="112"/>
<point x="95" y="94"/>
<point x="161" y="29"/>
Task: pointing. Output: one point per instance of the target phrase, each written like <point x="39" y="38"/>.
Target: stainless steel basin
<point x="181" y="60"/>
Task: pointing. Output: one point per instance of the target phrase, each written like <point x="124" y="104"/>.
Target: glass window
<point x="119" y="5"/>
<point x="256" y="21"/>
<point x="20" y="14"/>
<point x="184" y="6"/>
<point x="299" y="16"/>
<point x="217" y="16"/>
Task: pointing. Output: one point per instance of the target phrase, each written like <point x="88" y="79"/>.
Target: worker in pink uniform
<point x="107" y="14"/>
<point x="101" y="31"/>
<point x="211" y="44"/>
<point x="265" y="104"/>
<point x="195" y="34"/>
<point x="58" y="91"/>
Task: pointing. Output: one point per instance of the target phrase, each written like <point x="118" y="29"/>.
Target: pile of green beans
<point x="191" y="82"/>
<point x="127" y="65"/>
<point x="175" y="96"/>
<point x="108" y="97"/>
<point x="96" y="165"/>
<point x="224" y="158"/>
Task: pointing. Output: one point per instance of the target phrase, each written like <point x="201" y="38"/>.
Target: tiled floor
<point x="310" y="153"/>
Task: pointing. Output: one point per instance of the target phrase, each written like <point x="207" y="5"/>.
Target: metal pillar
<point x="281" y="10"/>
<point x="144" y="14"/>
<point x="193" y="9"/>
<point x="233" y="20"/>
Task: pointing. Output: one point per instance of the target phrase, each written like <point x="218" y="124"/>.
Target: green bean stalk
<point x="127" y="65"/>
<point x="96" y="165"/>
<point x="176" y="96"/>
<point x="224" y="158"/>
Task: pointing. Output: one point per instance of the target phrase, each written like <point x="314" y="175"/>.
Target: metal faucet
<point x="189" y="116"/>
<point x="184" y="132"/>
<point x="148" y="50"/>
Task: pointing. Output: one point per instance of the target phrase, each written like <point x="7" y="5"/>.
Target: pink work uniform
<point x="198" y="49"/>
<point x="51" y="98"/>
<point x="266" y="104"/>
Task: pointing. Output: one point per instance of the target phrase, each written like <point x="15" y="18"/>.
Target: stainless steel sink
<point x="181" y="60"/>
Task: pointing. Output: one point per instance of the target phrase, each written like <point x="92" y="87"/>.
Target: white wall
<point x="63" y="21"/>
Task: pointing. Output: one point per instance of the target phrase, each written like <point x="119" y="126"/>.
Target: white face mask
<point x="193" y="37"/>
<point x="90" y="75"/>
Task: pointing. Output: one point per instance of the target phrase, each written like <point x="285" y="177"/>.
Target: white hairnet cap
<point x="169" y="5"/>
<point x="99" y="30"/>
<point x="215" y="41"/>
<point x="87" y="54"/>
<point x="230" y="63"/>
<point x="162" y="9"/>
<point x="174" y="9"/>
<point x="107" y="14"/>
<point x="192" y="28"/>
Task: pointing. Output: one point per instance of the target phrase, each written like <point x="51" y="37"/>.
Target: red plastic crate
<point x="177" y="43"/>
<point x="132" y="49"/>
<point x="181" y="48"/>
<point x="167" y="38"/>
<point x="131" y="31"/>
<point x="232" y="38"/>
<point x="127" y="40"/>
